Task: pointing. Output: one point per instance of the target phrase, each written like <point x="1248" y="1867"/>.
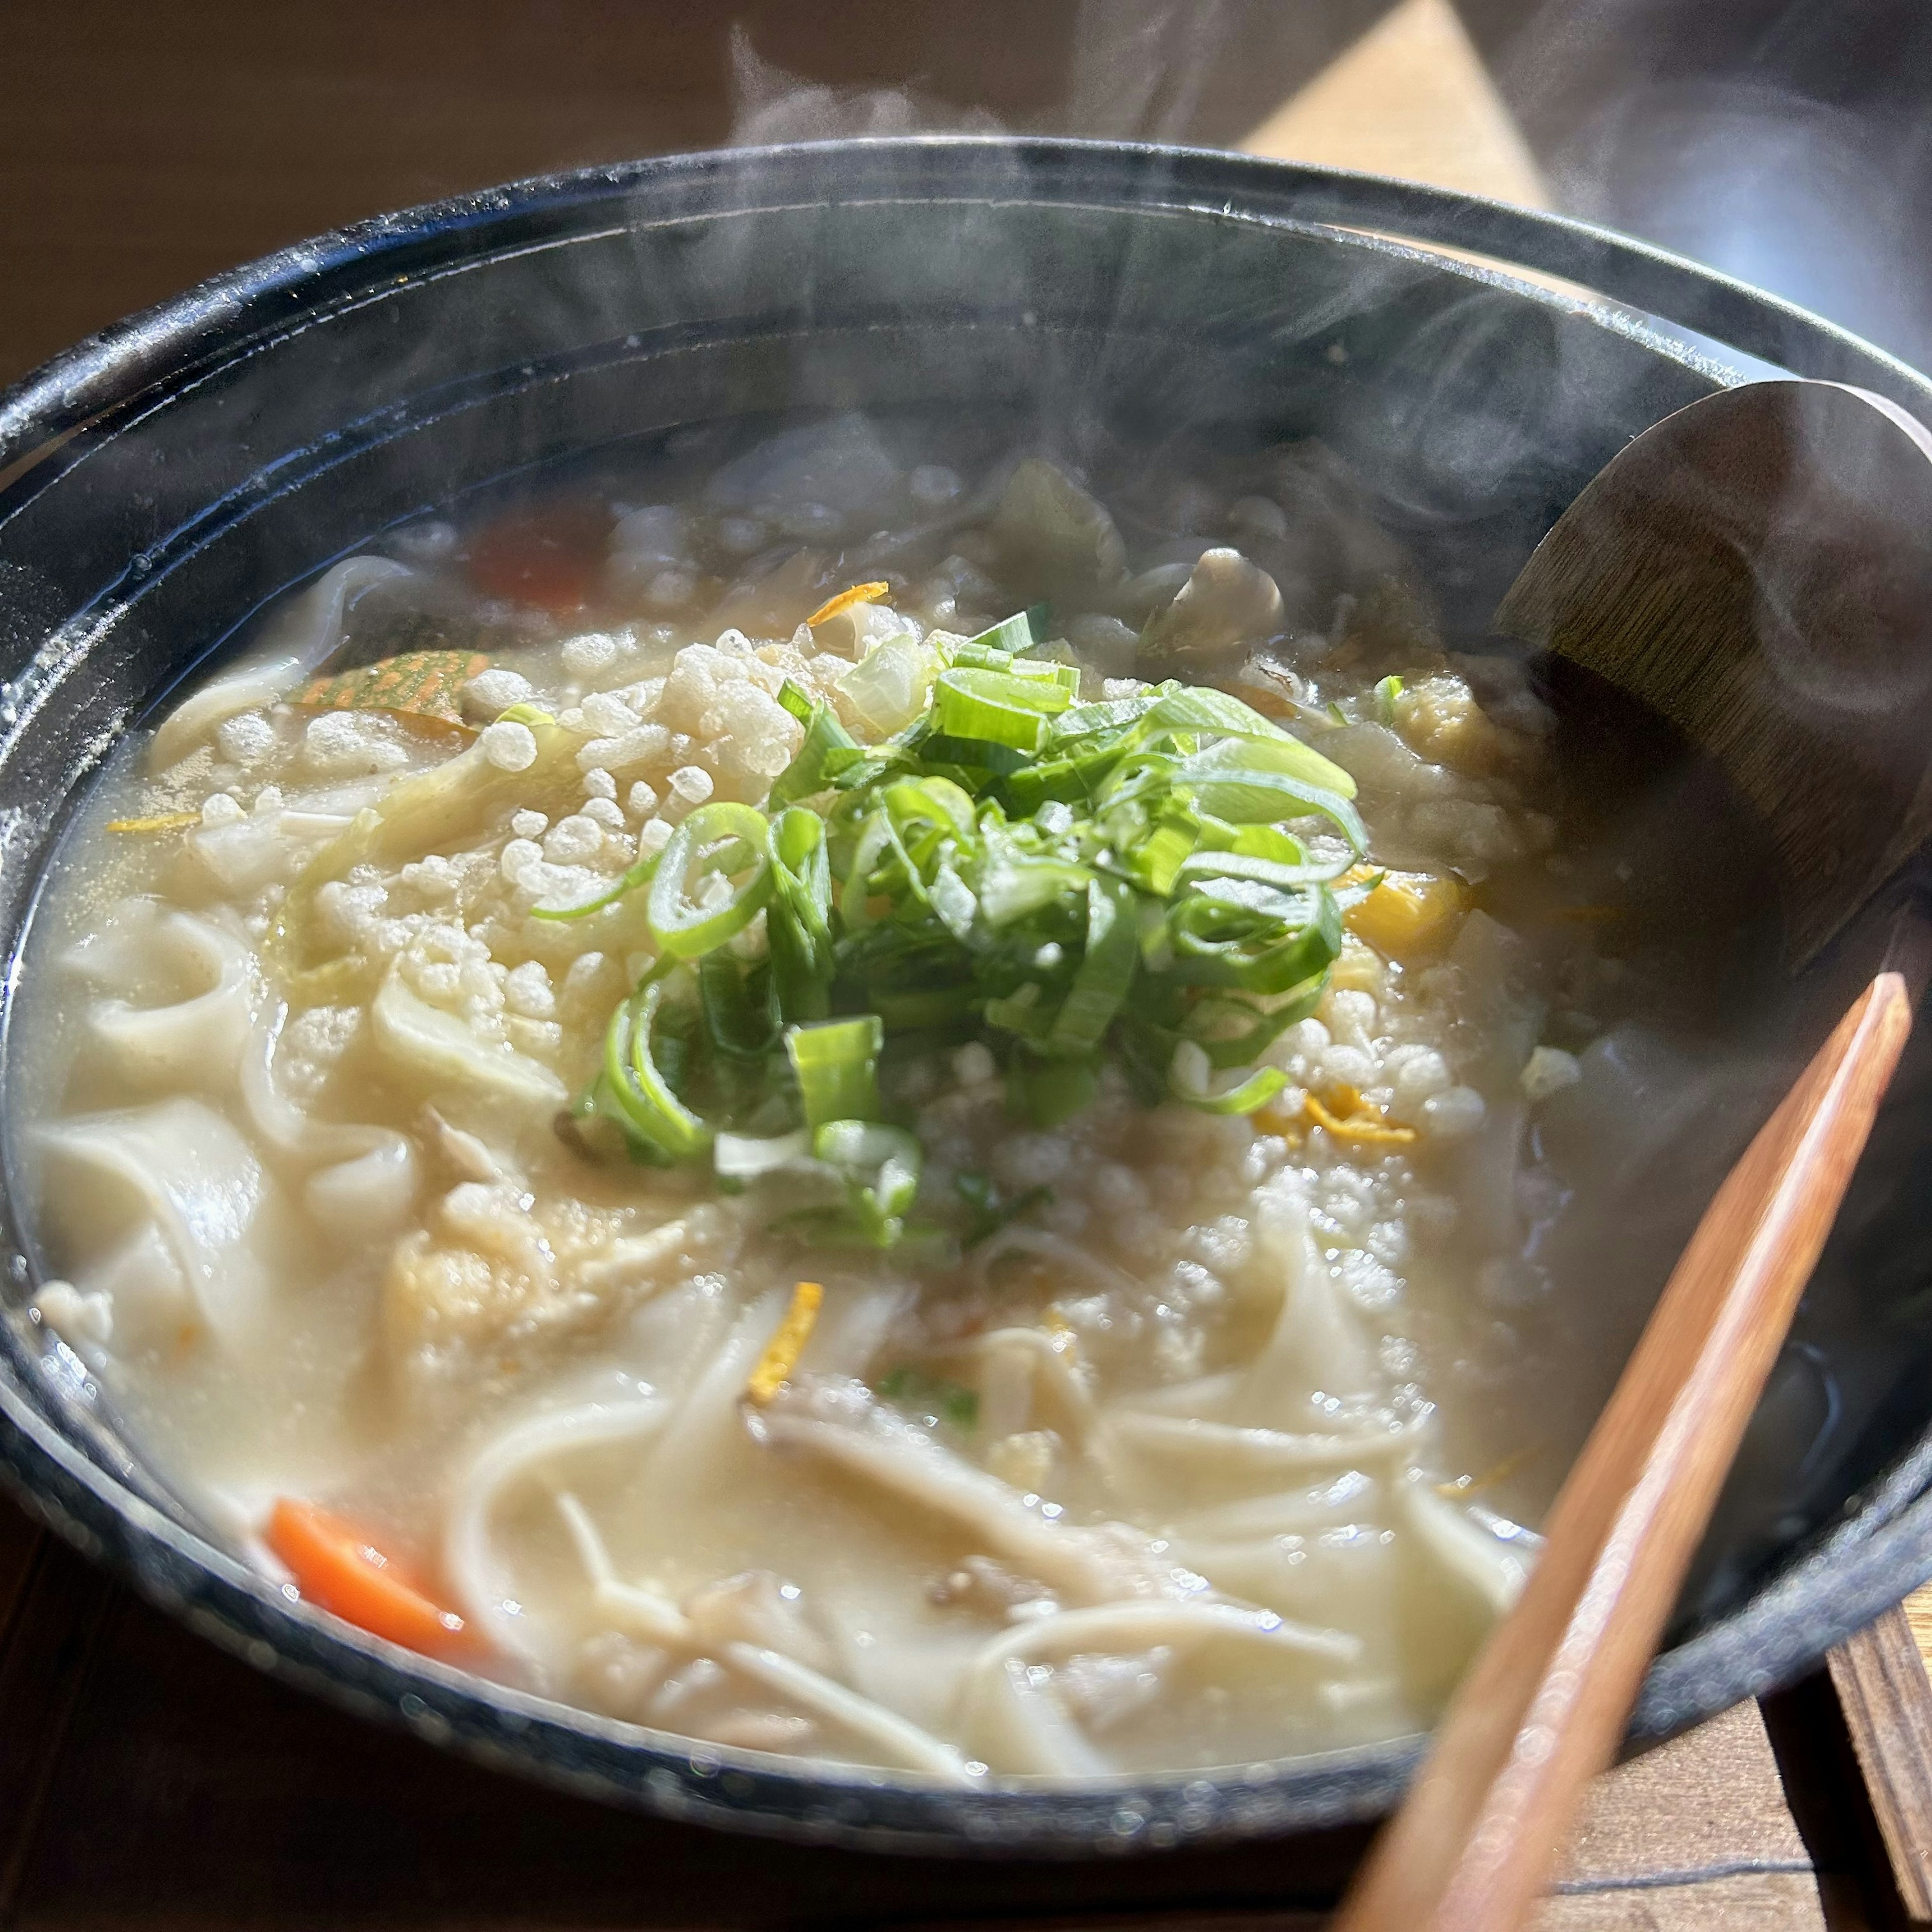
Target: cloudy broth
<point x="419" y="1036"/>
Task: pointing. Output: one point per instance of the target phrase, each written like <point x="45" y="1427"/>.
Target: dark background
<point x="143" y="146"/>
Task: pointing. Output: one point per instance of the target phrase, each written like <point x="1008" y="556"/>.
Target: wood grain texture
<point x="1917" y="1609"/>
<point x="1882" y="1690"/>
<point x="1755" y="568"/>
<point x="1542" y="1709"/>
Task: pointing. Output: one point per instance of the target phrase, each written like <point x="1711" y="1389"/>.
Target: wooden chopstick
<point x="1542" y="1709"/>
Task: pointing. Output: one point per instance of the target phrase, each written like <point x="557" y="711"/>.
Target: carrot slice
<point x="337" y="1570"/>
<point x="552" y="559"/>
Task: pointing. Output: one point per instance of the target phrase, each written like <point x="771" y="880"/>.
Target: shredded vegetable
<point x="860" y="593"/>
<point x="161" y="821"/>
<point x="781" y="1352"/>
<point x="1156" y="881"/>
<point x="1359" y="1123"/>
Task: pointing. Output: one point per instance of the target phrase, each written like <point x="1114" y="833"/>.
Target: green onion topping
<point x="1076" y="884"/>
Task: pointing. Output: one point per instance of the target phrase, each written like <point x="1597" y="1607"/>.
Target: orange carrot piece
<point x="337" y="1570"/>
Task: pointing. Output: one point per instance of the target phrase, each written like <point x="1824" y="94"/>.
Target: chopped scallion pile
<point x="1073" y="883"/>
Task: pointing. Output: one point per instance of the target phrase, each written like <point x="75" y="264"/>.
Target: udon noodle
<point x="1156" y="1402"/>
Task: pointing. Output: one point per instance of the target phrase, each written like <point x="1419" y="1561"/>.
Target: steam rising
<point x="1487" y="410"/>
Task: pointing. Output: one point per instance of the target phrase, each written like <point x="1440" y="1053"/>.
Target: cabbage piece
<point x="887" y="689"/>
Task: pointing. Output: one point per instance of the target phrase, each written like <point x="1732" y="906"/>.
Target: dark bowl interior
<point x="169" y="478"/>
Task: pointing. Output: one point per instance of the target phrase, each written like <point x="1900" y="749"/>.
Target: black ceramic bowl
<point x="160" y="483"/>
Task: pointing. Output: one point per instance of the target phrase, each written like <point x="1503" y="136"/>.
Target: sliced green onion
<point x="1156" y="861"/>
<point x="1216" y="943"/>
<point x="811" y="770"/>
<point x="718" y="840"/>
<point x="1235" y="1032"/>
<point x="634" y="1080"/>
<point x="1197" y="709"/>
<point x="974" y="655"/>
<point x="751" y="1157"/>
<point x="634" y="876"/>
<point x="739" y="1026"/>
<point x="798" y="921"/>
<point x="991" y="1211"/>
<point x="1190" y="1071"/>
<point x="1106" y="973"/>
<point x="881" y="1166"/>
<point x="936" y="802"/>
<point x="1110" y="718"/>
<point x="1386" y="692"/>
<point x="934" y="1007"/>
<point x="862" y="1146"/>
<point x="1015" y="883"/>
<point x="1011" y="634"/>
<point x="855" y="896"/>
<point x="1102" y="884"/>
<point x="1284" y="756"/>
<point x="1244" y="783"/>
<point x="1199" y="866"/>
<point x="1049" y="1091"/>
<point x="836" y="1062"/>
<point x="998" y="707"/>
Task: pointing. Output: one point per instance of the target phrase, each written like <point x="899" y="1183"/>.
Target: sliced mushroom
<point x="1226" y="603"/>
